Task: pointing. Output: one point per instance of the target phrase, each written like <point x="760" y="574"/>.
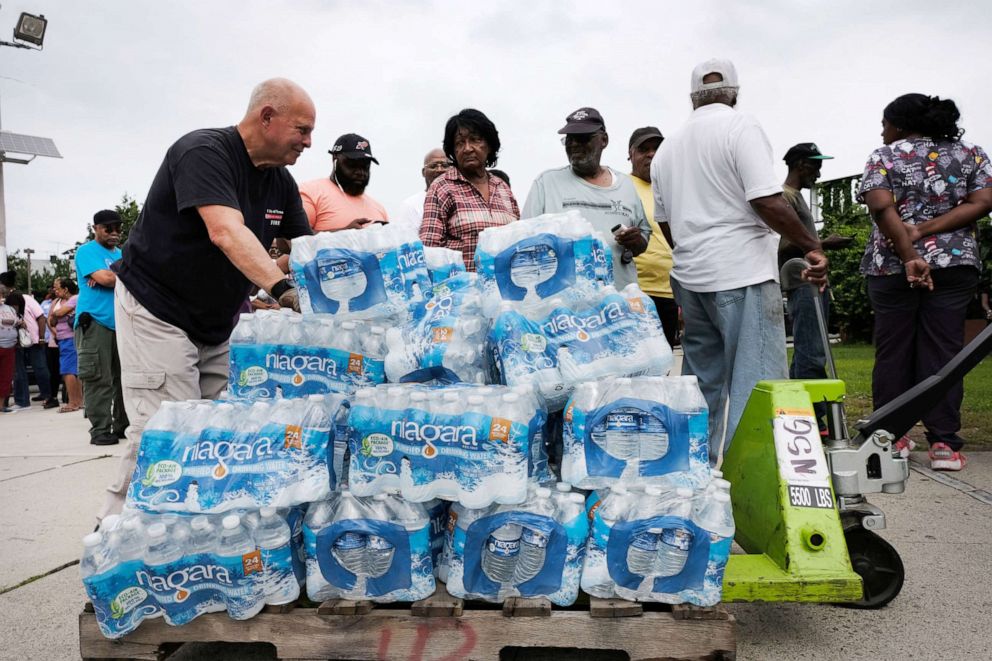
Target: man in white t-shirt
<point x="411" y="213"/>
<point x="606" y="198"/>
<point x="720" y="206"/>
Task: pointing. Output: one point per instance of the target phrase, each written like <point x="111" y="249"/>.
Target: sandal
<point x="69" y="409"/>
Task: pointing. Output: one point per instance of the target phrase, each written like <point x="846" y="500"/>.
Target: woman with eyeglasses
<point x="925" y="190"/>
<point x="60" y="321"/>
<point x="467" y="199"/>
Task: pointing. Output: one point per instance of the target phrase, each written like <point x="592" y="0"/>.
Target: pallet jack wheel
<point x="877" y="563"/>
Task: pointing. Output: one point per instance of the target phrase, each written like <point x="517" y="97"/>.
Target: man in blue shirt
<point x="96" y="339"/>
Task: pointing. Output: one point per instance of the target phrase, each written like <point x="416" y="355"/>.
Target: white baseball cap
<point x="723" y="67"/>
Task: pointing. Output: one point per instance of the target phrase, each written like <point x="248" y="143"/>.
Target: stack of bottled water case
<point x="139" y="566"/>
<point x="556" y="346"/>
<point x="445" y="340"/>
<point x="284" y="353"/>
<point x="635" y="432"/>
<point x="552" y="256"/>
<point x="206" y="456"/>
<point x="663" y="543"/>
<point x="534" y="549"/>
<point x="472" y="444"/>
<point x="379" y="548"/>
<point x="442" y="263"/>
<point x="371" y="273"/>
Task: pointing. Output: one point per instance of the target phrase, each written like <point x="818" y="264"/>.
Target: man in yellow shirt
<point x="655" y="263"/>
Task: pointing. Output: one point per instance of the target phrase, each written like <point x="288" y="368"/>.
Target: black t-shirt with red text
<point x="170" y="265"/>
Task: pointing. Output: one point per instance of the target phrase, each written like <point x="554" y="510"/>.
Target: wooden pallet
<point x="441" y="627"/>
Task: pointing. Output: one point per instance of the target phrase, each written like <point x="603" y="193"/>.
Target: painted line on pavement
<point x="51" y="468"/>
<point x="980" y="495"/>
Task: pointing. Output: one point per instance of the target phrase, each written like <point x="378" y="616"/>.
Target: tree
<point x="850" y="310"/>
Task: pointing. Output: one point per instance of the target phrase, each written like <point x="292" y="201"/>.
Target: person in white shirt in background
<point x="411" y="212"/>
<point x="720" y="206"/>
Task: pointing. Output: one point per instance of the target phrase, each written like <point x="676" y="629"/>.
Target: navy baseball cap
<point x="583" y="120"/>
<point x="352" y="145"/>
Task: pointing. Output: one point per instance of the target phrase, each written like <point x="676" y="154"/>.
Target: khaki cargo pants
<point x="159" y="362"/>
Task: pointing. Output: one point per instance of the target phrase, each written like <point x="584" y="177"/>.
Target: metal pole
<point x="3" y="216"/>
<point x="29" y="252"/>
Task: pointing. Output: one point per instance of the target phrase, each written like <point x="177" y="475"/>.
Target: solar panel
<point x="28" y="144"/>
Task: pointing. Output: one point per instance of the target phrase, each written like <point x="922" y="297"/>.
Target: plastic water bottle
<point x="272" y="537"/>
<point x="674" y="542"/>
<point x="350" y="549"/>
<point x="533" y="542"/>
<point x="203" y="536"/>
<point x="162" y="547"/>
<point x="130" y="541"/>
<point x="234" y="538"/>
<point x="97" y="557"/>
<point x="380" y="550"/>
<point x="716" y="516"/>
<point x="501" y="552"/>
<point x="244" y="332"/>
<point x="375" y="343"/>
<point x="652" y="438"/>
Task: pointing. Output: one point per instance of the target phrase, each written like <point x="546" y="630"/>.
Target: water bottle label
<point x="503" y="548"/>
<point x="534" y="538"/>
<point x="349" y="541"/>
<point x="678" y="538"/>
<point x="220" y="469"/>
<point x="646" y="541"/>
<point x="265" y="370"/>
<point x="455" y="454"/>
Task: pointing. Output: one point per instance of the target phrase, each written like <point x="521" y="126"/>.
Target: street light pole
<point x="29" y="252"/>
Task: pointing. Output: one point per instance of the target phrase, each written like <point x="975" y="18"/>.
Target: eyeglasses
<point x="116" y="228"/>
<point x="438" y="165"/>
<point x="579" y="138"/>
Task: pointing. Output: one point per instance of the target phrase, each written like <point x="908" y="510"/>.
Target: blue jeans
<point x="809" y="359"/>
<point x="732" y="339"/>
<point x="36" y="355"/>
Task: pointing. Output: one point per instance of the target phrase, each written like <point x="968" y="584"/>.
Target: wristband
<point x="280" y="288"/>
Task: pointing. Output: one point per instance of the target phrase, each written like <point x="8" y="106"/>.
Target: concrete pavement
<point x="51" y="484"/>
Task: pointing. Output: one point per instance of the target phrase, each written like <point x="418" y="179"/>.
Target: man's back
<point x="703" y="177"/>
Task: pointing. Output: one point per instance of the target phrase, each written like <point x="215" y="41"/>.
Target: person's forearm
<point x="782" y="218"/>
<point x="892" y="228"/>
<point x="960" y="216"/>
<point x="241" y="246"/>
<point x="104" y="278"/>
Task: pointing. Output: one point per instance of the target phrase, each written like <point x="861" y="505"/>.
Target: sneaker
<point x="903" y="447"/>
<point x="37" y="398"/>
<point x="17" y="407"/>
<point x="943" y="458"/>
<point x="105" y="439"/>
<point x="51" y="404"/>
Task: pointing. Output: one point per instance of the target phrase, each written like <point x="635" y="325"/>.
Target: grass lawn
<point x="854" y="363"/>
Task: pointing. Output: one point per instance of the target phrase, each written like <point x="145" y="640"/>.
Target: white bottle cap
<point x="653" y="490"/>
<point x="380" y="497"/>
<point x="156" y="530"/>
<point x="92" y="539"/>
<point x="716" y="473"/>
<point x="576" y="497"/>
<point x="543" y="492"/>
<point x="564" y="487"/>
<point x="510" y="397"/>
<point x="721" y="496"/>
<point x="180" y="535"/>
<point x="348" y="325"/>
<point x="199" y="523"/>
<point x="266" y="512"/>
<point x="231" y="521"/>
<point x="475" y="400"/>
<point x="110" y="522"/>
<point x="451" y="396"/>
<point x="132" y="524"/>
<point x="721" y="483"/>
<point x="377" y="330"/>
<point x="619" y="488"/>
<point x="683" y="492"/>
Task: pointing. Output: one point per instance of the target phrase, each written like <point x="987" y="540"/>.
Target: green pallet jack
<point x="808" y="531"/>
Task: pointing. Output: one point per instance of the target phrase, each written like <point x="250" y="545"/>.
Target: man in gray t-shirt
<point x="809" y="356"/>
<point x="605" y="197"/>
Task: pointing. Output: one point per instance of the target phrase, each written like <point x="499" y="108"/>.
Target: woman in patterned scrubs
<point x="925" y="188"/>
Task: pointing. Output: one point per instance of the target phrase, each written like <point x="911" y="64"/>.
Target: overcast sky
<point x="120" y="80"/>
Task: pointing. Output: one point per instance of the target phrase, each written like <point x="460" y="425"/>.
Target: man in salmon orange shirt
<point x="339" y="202"/>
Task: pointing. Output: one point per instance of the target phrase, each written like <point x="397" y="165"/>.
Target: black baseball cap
<point x="642" y="134"/>
<point x="352" y="145"/>
<point x="107" y="217"/>
<point x="804" y="150"/>
<point x="583" y="120"/>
